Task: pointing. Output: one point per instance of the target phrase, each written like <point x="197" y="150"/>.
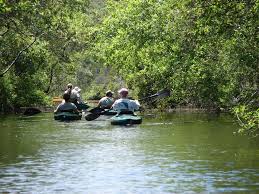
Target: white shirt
<point x="75" y="96"/>
<point x="106" y="102"/>
<point x="126" y="104"/>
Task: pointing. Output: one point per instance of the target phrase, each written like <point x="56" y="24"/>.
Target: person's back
<point x="66" y="106"/>
<point x="107" y="101"/>
<point x="125" y="104"/>
<point x="75" y="96"/>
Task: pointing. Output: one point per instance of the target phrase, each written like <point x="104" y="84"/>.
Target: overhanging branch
<point x="17" y="57"/>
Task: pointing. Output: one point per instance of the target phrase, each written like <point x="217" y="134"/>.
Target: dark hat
<point x="69" y="85"/>
<point x="109" y="93"/>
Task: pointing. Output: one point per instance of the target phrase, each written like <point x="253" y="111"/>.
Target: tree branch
<point x="17" y="57"/>
<point x="240" y="122"/>
<point x="51" y="77"/>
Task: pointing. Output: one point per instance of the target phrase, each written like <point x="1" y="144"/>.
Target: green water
<point x="170" y="153"/>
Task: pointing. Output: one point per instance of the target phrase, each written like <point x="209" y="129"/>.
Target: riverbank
<point x="49" y="109"/>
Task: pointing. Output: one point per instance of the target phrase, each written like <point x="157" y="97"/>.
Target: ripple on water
<point x="164" y="156"/>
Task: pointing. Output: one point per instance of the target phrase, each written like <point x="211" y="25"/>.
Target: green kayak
<point x="102" y="111"/>
<point x="126" y="119"/>
<point x="67" y="116"/>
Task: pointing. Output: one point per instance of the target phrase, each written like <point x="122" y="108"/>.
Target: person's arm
<point x="57" y="109"/>
<point x="115" y="105"/>
<point x="135" y="104"/>
<point x="99" y="103"/>
<point x="111" y="102"/>
<point x="75" y="110"/>
<point x="79" y="99"/>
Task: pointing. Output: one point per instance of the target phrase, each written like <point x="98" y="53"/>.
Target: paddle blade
<point x="163" y="93"/>
<point x="96" y="110"/>
<point x="91" y="116"/>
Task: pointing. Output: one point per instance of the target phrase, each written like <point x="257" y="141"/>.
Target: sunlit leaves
<point x="206" y="51"/>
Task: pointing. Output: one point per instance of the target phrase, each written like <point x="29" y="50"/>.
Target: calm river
<point x="170" y="153"/>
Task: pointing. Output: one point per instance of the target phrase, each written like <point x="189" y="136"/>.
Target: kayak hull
<point x="67" y="116"/>
<point x="109" y="112"/>
<point x="126" y="119"/>
<point x="102" y="111"/>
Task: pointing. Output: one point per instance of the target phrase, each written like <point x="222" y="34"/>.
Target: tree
<point x="38" y="42"/>
<point x="205" y="51"/>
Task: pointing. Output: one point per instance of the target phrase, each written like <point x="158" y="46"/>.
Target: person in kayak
<point x="66" y="106"/>
<point x="124" y="104"/>
<point x="75" y="96"/>
<point x="69" y="89"/>
<point x="107" y="101"/>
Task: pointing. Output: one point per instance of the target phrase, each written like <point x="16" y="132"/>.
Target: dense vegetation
<point x="41" y="46"/>
<point x="205" y="52"/>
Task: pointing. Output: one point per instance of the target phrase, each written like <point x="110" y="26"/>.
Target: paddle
<point x="162" y="94"/>
<point x="97" y="112"/>
<point x="93" y="116"/>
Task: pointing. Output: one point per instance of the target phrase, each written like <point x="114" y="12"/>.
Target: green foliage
<point x="95" y="93"/>
<point x="5" y="94"/>
<point x="27" y="92"/>
<point x="248" y="120"/>
<point x="38" y="42"/>
<point x="205" y="51"/>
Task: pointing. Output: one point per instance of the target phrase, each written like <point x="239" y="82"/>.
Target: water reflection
<point x="173" y="153"/>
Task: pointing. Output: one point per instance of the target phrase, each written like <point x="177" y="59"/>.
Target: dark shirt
<point x="66" y="106"/>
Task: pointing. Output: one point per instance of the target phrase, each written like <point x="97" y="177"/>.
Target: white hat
<point x="123" y="90"/>
<point x="77" y="89"/>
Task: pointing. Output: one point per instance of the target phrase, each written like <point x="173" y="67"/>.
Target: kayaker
<point x="107" y="101"/>
<point x="75" y="96"/>
<point x="69" y="89"/>
<point x="66" y="106"/>
<point x="125" y="104"/>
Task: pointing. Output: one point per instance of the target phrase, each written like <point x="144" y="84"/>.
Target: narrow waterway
<point x="167" y="153"/>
